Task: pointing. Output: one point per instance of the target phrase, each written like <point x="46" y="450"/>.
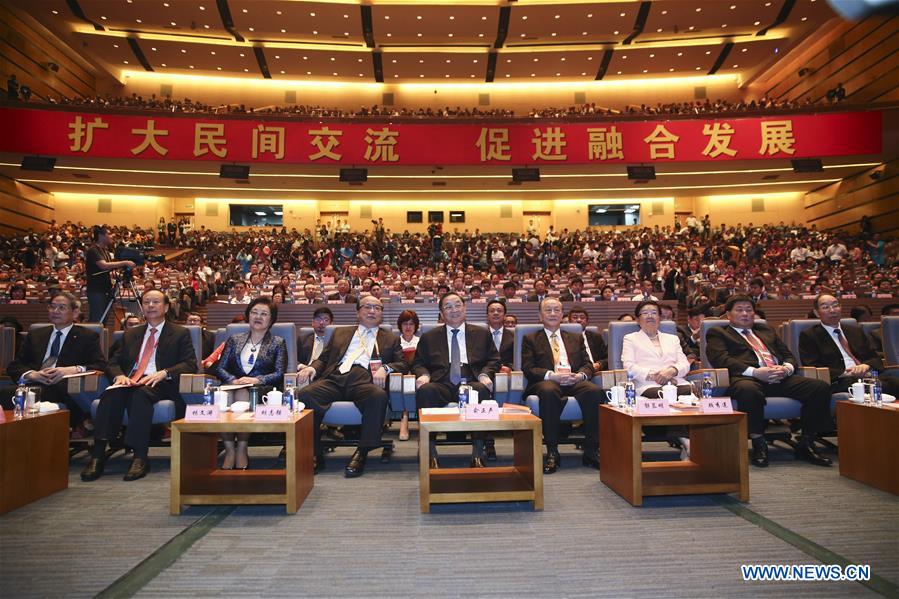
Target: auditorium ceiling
<point x="402" y="41"/>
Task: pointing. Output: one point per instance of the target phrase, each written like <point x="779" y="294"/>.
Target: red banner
<point x="103" y="135"/>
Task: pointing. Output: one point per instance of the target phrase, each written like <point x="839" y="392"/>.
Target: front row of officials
<point x="354" y="366"/>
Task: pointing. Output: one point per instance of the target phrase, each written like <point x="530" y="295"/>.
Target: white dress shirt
<point x="151" y="365"/>
<point x="371" y="342"/>
<point x="62" y="340"/>
<point x="460" y="336"/>
<point x="831" y="332"/>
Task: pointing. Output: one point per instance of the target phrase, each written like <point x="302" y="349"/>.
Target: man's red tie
<point x="759" y="347"/>
<point x="149" y="348"/>
<point x="845" y="343"/>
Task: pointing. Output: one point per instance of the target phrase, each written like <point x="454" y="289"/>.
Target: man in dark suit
<point x="575" y="292"/>
<point x="844" y="350"/>
<point x="760" y="365"/>
<point x="556" y="365"/>
<point x="310" y="295"/>
<point x="596" y="348"/>
<point x="207" y="337"/>
<point x="503" y="338"/>
<point x="48" y="354"/>
<point x="343" y="293"/>
<point x="448" y="354"/>
<point x="539" y="291"/>
<point x="343" y="372"/>
<point x="311" y="345"/>
<point x="145" y="369"/>
<point x="689" y="334"/>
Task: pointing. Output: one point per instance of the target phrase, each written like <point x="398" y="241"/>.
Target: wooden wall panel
<point x="842" y="205"/>
<point x="23" y="207"/>
<point x="26" y="48"/>
<point x="839" y="59"/>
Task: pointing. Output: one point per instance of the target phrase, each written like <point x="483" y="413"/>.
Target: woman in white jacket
<point x="654" y="358"/>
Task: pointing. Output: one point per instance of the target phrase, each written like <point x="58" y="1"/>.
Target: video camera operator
<point x="99" y="266"/>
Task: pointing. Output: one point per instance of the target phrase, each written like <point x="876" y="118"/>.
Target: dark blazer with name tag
<point x="432" y="356"/>
<point x="818" y="348"/>
<point x="81" y="348"/>
<point x="174" y="354"/>
<point x="389" y="351"/>
<point x="726" y="348"/>
<point x="537" y="356"/>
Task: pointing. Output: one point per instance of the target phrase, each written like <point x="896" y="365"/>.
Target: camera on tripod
<point x="139" y="254"/>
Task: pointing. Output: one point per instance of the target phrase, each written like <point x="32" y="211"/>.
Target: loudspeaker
<point x="38" y="163"/>
<point x="641" y="173"/>
<point x="522" y="175"/>
<point x="353" y="175"/>
<point x="807" y="165"/>
<point x="234" y="171"/>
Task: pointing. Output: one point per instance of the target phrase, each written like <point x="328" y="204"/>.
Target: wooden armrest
<point x="84" y="384"/>
<point x="607" y="379"/>
<point x="502" y="380"/>
<point x="195" y="383"/>
<point x="720" y="376"/>
<point x="822" y="374"/>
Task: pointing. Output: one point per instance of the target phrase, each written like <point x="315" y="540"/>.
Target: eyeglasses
<point x="372" y="307"/>
<point x="58" y="307"/>
<point x="649" y="313"/>
<point x="260" y="314"/>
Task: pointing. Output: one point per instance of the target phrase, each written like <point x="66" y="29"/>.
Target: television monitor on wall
<point x="606" y="215"/>
<point x="256" y="215"/>
<point x="414" y="216"/>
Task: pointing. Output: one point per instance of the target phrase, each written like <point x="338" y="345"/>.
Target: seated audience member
<point x="239" y="293"/>
<point x="503" y="338"/>
<point x="757" y="291"/>
<point x="407" y="323"/>
<point x="760" y="365"/>
<point x="843" y="349"/>
<point x="343" y="372"/>
<point x="145" y="369"/>
<point x="556" y="365"/>
<point x="510" y="291"/>
<point x="654" y="358"/>
<point x="593" y="342"/>
<point x="510" y="321"/>
<point x="689" y="335"/>
<point x="48" y="354"/>
<point x="625" y="318"/>
<point x="876" y="335"/>
<point x="310" y="345"/>
<point x="448" y="354"/>
<point x="645" y="295"/>
<point x="207" y="336"/>
<point x="310" y="295"/>
<point x="253" y="358"/>
<point x="343" y="293"/>
<point x="17" y="294"/>
<point x="575" y="292"/>
<point x="539" y="293"/>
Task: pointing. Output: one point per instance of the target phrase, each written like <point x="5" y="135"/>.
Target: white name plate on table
<point x="484" y="411"/>
<point x="646" y="406"/>
<point x="715" y="405"/>
<point x="272" y="413"/>
<point x="201" y="413"/>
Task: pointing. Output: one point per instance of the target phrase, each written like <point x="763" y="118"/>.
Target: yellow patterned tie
<point x="554" y="342"/>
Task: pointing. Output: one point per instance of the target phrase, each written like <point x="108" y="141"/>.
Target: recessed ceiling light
<point x="615" y="32"/>
<point x="241" y="54"/>
<point x="115" y="45"/>
<point x="483" y="19"/>
<point x="697" y="68"/>
<point x="769" y="4"/>
<point x="393" y="61"/>
<point x="744" y="49"/>
<point x="387" y="17"/>
<point x="447" y="76"/>
<point x="508" y="75"/>
<point x="154" y="49"/>
<point x="251" y="29"/>
<point x="557" y="74"/>
<point x="206" y="26"/>
<point x="245" y="11"/>
<point x="277" y="57"/>
<point x="659" y="30"/>
<point x="245" y="70"/>
<point x="804" y="19"/>
<point x="183" y="51"/>
<point x="589" y="15"/>
<point x="452" y="18"/>
<point x="708" y="52"/>
<point x="533" y="74"/>
<point x="583" y="73"/>
<point x="174" y="24"/>
<point x="314" y="32"/>
<point x="619" y="72"/>
<point x="583" y="33"/>
<point x="308" y="72"/>
<point x="220" y="68"/>
<point x="361" y="75"/>
<point x="724" y="25"/>
<point x="202" y="8"/>
<point x="652" y="55"/>
<point x="283" y="31"/>
<point x="312" y="14"/>
<point x="126" y="62"/>
<point x="335" y="74"/>
<point x="333" y="59"/>
<point x="389" y="35"/>
<point x="163" y="64"/>
<point x="554" y="35"/>
<point x="359" y="60"/>
<point x="450" y="34"/>
<point x="524" y="17"/>
<point x="55" y="12"/>
<point x="304" y="58"/>
<point x="622" y="14"/>
<point x="191" y="66"/>
<point x="671" y="70"/>
<point x="522" y="35"/>
<point x="480" y="35"/>
<point x="277" y="12"/>
<point x="102" y="17"/>
<point x="589" y="58"/>
<point x="691" y="28"/>
<point x="756" y="23"/>
<point x="508" y="60"/>
<point x="282" y="72"/>
<point x="420" y="61"/>
<point x="138" y="20"/>
<point x="624" y="57"/>
<point x="664" y="12"/>
<point x="418" y="17"/>
<point x="475" y="61"/>
<point x="557" y="16"/>
<point x="645" y="70"/>
<point x="421" y="76"/>
<point x="698" y="9"/>
<point x="680" y="53"/>
<point x="395" y="76"/>
<point x="211" y="52"/>
<point x="563" y="59"/>
<point x="346" y="16"/>
<point x="536" y="60"/>
<point x="735" y="66"/>
<point x="166" y="4"/>
<point x="448" y="60"/>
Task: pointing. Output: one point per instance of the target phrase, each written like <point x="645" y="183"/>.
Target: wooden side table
<point x="523" y="481"/>
<point x="718" y="455"/>
<point x="869" y="444"/>
<point x="197" y="480"/>
<point x="34" y="458"/>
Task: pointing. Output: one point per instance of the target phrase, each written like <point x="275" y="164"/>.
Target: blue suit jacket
<point x="270" y="364"/>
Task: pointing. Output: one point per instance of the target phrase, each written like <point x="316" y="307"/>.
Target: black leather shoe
<point x="490" y="450"/>
<point x="356" y="465"/>
<point x="93" y="470"/>
<point x="552" y="462"/>
<point x="591" y="459"/>
<point x="807" y="452"/>
<point x="477" y="462"/>
<point x="318" y="463"/>
<point x="759" y="452"/>
<point x="139" y="469"/>
<point x="433" y="464"/>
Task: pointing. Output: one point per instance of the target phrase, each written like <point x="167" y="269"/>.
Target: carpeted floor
<point x="367" y="538"/>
